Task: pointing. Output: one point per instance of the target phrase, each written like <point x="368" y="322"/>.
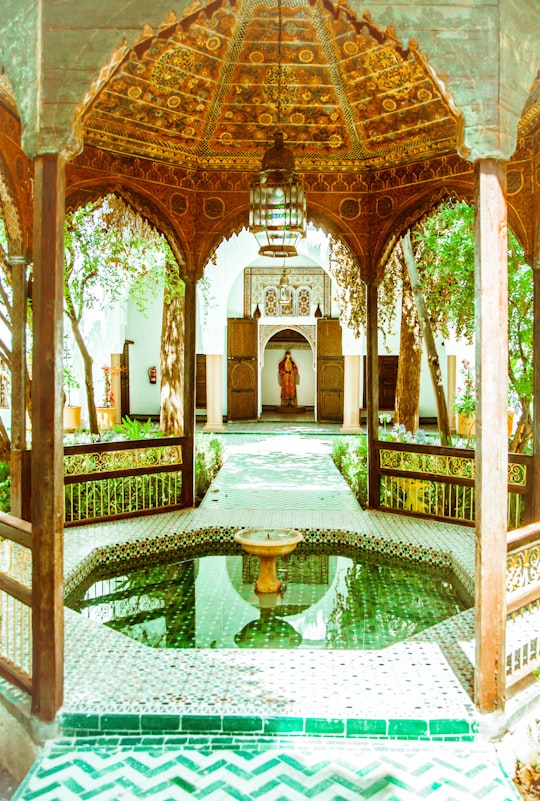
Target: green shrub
<point x="135" y="429"/>
<point x="208" y="460"/>
<point x="349" y="454"/>
<point x="5" y="486"/>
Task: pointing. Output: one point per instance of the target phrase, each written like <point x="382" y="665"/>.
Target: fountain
<point x="268" y="544"/>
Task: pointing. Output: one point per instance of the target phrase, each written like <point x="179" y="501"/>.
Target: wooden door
<point x="200" y="381"/>
<point x="388" y="367"/>
<point x="242" y="369"/>
<point x="329" y="371"/>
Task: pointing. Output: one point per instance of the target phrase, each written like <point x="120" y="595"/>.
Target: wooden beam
<point x="372" y="394"/>
<point x="491" y="326"/>
<point x="47" y="440"/>
<point x="12" y="528"/>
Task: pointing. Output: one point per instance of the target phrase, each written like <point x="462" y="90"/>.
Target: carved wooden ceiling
<point x="201" y="92"/>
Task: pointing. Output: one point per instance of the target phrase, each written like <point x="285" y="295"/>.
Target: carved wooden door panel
<point x="242" y="369"/>
<point x="388" y="367"/>
<point x="330" y="371"/>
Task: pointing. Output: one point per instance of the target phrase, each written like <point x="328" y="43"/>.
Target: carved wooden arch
<point x="428" y="204"/>
<point x="224" y="229"/>
<point x="142" y="203"/>
<point x="412" y="214"/>
<point x="12" y="218"/>
<point x="267" y="331"/>
<point x="519" y="229"/>
<point x="238" y="221"/>
<point x="335" y="226"/>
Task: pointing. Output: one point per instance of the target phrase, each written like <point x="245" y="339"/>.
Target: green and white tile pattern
<point x="69" y="771"/>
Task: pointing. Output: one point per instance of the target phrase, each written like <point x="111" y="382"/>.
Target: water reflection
<point x="330" y="600"/>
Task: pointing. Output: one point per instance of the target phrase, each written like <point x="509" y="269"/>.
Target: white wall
<point x="145" y="331"/>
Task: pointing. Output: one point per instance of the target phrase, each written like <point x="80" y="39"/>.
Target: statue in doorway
<point x="288" y="378"/>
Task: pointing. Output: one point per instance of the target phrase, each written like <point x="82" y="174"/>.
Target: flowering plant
<point x="465" y="401"/>
<point x="108" y="396"/>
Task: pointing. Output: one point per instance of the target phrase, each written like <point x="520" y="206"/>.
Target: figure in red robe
<point x="288" y="378"/>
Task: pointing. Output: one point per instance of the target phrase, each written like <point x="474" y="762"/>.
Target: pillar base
<point x="215" y="428"/>
<point x="350" y="430"/>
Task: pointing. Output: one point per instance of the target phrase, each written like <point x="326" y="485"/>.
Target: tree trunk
<point x="523" y="432"/>
<point x="88" y="377"/>
<point x="172" y="366"/>
<point x="410" y="356"/>
<point x="431" y="348"/>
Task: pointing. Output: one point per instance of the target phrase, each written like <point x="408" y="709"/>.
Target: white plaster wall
<point x="145" y="331"/>
<point x="270" y="389"/>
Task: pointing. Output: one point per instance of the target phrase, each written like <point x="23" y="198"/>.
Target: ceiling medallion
<point x="277" y="206"/>
<point x="172" y="68"/>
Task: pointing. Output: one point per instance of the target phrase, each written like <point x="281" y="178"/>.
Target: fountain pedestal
<point x="268" y="544"/>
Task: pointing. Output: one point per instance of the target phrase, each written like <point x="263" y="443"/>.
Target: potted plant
<point x="72" y="413"/>
<point x="465" y="402"/>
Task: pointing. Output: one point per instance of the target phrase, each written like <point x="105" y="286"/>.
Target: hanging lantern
<point x="277" y="206"/>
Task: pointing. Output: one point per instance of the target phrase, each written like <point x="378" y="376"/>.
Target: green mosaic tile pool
<point x="336" y="598"/>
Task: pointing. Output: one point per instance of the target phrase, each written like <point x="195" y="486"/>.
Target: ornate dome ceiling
<point x="203" y="91"/>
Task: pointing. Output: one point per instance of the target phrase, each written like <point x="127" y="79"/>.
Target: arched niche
<point x="274" y="340"/>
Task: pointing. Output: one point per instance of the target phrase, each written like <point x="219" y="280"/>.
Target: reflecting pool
<point x="336" y="600"/>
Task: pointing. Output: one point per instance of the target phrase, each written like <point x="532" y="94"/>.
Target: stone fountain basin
<point x="268" y="541"/>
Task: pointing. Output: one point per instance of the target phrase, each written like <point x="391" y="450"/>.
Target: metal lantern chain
<point x="280" y="23"/>
<point x="277" y="206"/>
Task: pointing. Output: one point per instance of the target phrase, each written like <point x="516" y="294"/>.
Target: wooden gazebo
<point x="388" y="108"/>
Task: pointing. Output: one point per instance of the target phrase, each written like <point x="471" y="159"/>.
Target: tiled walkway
<point x="396" y="724"/>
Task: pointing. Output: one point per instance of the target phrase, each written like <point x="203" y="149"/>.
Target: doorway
<point x="303" y="357"/>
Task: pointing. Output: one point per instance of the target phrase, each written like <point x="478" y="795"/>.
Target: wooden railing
<point x="523" y="603"/>
<point x="438" y="482"/>
<point x="16" y="601"/>
<point x="113" y="480"/>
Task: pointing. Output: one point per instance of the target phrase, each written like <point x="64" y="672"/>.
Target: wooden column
<point x="19" y="490"/>
<point x="351" y="395"/>
<point x="47" y="440"/>
<point x="535" y="504"/>
<point x="214" y="393"/>
<point x="491" y="326"/>
<point x="372" y="394"/>
<point x="190" y="309"/>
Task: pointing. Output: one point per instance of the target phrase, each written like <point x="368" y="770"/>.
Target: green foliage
<point x="349" y="454"/>
<point x="110" y="251"/>
<point x="444" y="251"/>
<point x="3" y="233"/>
<point x="5" y="486"/>
<point x="111" y="496"/>
<point x="70" y="379"/>
<point x="208" y="461"/>
<point x="445" y="244"/>
<point x="135" y="429"/>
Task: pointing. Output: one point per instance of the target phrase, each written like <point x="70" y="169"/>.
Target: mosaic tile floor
<point x="416" y="690"/>
<point x="216" y="771"/>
